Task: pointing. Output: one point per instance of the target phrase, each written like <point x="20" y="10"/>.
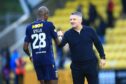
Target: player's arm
<point x="26" y="49"/>
<point x="26" y="42"/>
<point x="57" y="41"/>
<point x="57" y="36"/>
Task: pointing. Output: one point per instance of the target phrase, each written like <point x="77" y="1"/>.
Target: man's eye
<point x="71" y="19"/>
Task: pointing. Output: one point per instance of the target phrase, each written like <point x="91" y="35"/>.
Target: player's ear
<point x="46" y="16"/>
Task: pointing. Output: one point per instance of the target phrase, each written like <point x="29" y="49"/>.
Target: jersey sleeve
<point x="53" y="31"/>
<point x="27" y="35"/>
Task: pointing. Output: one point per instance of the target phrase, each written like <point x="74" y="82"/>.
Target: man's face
<point x="75" y="21"/>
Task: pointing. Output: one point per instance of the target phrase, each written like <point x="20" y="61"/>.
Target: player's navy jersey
<point x="39" y="34"/>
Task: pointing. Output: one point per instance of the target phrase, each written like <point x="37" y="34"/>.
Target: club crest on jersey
<point x="37" y="26"/>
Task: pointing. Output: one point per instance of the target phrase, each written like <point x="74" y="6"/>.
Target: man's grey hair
<point x="77" y="13"/>
<point x="43" y="10"/>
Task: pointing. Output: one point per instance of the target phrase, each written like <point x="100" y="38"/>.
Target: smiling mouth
<point x="72" y="23"/>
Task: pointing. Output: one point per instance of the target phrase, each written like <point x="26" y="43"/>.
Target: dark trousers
<point x="89" y="70"/>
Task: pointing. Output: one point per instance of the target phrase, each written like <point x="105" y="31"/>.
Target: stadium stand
<point x="116" y="47"/>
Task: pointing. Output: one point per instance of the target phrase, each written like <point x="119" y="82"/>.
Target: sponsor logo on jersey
<point x="37" y="26"/>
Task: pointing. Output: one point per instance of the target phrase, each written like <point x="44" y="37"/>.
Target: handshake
<point x="60" y="34"/>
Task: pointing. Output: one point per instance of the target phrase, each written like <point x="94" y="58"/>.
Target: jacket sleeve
<point x="98" y="45"/>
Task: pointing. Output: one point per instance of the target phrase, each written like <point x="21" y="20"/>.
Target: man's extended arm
<point x="61" y="40"/>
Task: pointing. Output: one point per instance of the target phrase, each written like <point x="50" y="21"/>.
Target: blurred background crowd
<point x="107" y="17"/>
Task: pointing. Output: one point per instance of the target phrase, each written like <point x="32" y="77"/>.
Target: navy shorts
<point x="46" y="72"/>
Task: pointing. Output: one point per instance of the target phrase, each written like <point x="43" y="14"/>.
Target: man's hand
<point x="60" y="35"/>
<point x="102" y="63"/>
